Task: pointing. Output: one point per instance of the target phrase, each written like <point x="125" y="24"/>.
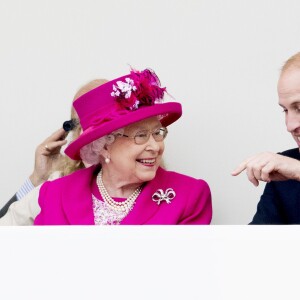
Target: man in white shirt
<point x="46" y="155"/>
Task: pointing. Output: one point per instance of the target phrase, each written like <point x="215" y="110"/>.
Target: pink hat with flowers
<point x="119" y="103"/>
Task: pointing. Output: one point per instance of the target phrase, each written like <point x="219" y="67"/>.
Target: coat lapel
<point x="78" y="206"/>
<point x="77" y="199"/>
<point x="145" y="207"/>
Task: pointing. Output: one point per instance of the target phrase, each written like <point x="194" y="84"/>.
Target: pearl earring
<point x="107" y="160"/>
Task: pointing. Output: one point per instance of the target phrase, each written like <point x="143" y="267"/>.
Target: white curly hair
<point x="92" y="152"/>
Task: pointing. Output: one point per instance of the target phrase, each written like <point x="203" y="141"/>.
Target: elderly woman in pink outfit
<point x="124" y="122"/>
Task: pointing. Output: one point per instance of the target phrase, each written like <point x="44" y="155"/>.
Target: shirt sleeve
<point x="268" y="207"/>
<point x="25" y="189"/>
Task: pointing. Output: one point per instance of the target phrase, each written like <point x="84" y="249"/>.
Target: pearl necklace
<point x="124" y="206"/>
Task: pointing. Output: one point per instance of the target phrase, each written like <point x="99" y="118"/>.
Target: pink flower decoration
<point x="142" y="89"/>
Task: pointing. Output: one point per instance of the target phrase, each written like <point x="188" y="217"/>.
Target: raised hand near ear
<point x="46" y="155"/>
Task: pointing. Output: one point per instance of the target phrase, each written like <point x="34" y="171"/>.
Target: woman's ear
<point x="105" y="153"/>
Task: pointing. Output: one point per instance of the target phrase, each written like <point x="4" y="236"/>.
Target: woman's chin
<point x="147" y="175"/>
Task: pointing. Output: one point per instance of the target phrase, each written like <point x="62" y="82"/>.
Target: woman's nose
<point x="152" y="144"/>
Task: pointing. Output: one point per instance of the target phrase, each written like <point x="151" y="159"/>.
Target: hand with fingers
<point x="46" y="155"/>
<point x="268" y="167"/>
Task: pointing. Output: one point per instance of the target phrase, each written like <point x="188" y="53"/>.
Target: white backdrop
<point x="220" y="59"/>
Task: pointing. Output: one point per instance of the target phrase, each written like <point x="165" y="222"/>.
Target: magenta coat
<point x="68" y="201"/>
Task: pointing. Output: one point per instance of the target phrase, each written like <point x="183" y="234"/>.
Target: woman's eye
<point x="141" y="134"/>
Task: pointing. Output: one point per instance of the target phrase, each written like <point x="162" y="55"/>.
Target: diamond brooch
<point x="160" y="196"/>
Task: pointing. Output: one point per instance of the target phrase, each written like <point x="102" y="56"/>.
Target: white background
<point x="220" y="59"/>
<point x="150" y="262"/>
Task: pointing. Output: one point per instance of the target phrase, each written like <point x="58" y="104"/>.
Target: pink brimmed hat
<point x="119" y="103"/>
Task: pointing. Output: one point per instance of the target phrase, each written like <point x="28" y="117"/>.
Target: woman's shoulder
<point x="72" y="178"/>
<point x="192" y="196"/>
<point x="179" y="178"/>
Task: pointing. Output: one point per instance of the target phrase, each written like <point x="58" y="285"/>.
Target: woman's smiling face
<point x="132" y="162"/>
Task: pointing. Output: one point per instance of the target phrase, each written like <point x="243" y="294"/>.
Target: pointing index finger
<point x="240" y="168"/>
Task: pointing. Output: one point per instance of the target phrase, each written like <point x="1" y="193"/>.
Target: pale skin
<point x="46" y="157"/>
<point x="269" y="166"/>
<point x="130" y="164"/>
